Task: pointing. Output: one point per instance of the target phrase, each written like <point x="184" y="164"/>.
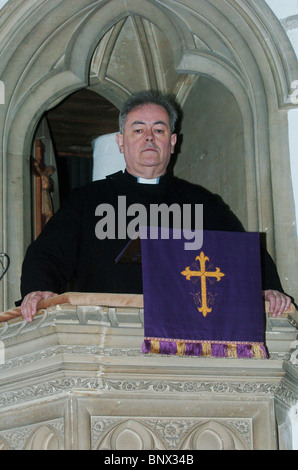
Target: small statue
<point x="44" y="188"/>
<point x="47" y="187"/>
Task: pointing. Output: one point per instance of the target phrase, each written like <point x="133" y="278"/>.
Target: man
<point x="69" y="245"/>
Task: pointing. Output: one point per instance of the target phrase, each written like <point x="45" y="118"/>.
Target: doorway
<point x="73" y="125"/>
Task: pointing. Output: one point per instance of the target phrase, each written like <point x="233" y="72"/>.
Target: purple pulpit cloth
<point x="204" y="302"/>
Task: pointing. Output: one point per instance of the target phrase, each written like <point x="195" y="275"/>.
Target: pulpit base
<point x="75" y="378"/>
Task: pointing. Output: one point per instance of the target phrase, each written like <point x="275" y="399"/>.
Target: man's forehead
<point x="149" y="113"/>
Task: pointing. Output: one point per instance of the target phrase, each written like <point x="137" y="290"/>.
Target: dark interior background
<point x="74" y="124"/>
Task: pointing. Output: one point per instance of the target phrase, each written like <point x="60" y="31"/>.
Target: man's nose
<point x="149" y="136"/>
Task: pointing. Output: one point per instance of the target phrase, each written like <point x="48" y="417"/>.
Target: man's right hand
<point x="30" y="302"/>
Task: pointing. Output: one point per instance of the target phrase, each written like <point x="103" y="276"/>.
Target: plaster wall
<point x="213" y="144"/>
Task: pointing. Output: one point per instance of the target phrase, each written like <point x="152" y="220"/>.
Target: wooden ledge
<point x="106" y="300"/>
<point x="103" y="300"/>
<point x="285" y="314"/>
<point x="80" y="298"/>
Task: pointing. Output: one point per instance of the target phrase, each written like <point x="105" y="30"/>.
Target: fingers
<point x="30" y="303"/>
<point x="279" y="302"/>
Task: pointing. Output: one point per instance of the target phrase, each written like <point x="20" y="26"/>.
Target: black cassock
<point x="68" y="247"/>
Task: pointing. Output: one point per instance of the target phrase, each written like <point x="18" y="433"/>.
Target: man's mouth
<point x="149" y="149"/>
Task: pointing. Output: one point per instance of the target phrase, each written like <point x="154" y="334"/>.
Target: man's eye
<point x="138" y="131"/>
<point x="159" y="131"/>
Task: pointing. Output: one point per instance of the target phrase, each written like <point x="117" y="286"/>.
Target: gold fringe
<point x="154" y="346"/>
<point x="231" y="350"/>
<point x="257" y="351"/>
<point x="206" y="349"/>
<point x="181" y="348"/>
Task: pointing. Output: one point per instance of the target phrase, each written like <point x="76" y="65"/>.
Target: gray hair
<point x="149" y="97"/>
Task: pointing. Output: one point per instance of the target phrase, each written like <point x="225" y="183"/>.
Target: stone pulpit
<point x="76" y="378"/>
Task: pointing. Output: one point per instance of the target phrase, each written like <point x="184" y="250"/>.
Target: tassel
<point x="244" y="350"/>
<point x="193" y="349"/>
<point x="154" y="349"/>
<point x="146" y="346"/>
<point x="206" y="349"/>
<point x="219" y="350"/>
<point x="259" y="351"/>
<point x="181" y="348"/>
<point x="168" y="347"/>
<point x="233" y="349"/>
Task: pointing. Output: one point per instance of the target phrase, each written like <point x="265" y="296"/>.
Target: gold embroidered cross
<point x="203" y="274"/>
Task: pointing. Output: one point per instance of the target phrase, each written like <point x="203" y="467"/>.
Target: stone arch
<point x="45" y="437"/>
<point x="130" y="434"/>
<point x="213" y="435"/>
<point x="67" y="69"/>
<point x="49" y="67"/>
<point x="46" y="52"/>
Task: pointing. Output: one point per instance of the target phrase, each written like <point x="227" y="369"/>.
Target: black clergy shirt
<point x="69" y="248"/>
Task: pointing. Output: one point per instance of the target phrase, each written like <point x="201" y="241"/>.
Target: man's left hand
<point x="279" y="302"/>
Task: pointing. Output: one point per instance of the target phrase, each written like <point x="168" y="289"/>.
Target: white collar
<point x="147" y="180"/>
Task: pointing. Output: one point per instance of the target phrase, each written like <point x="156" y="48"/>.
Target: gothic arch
<point x="130" y="434"/>
<point x="213" y="435"/>
<point x="50" y="73"/>
<point x="45" y="437"/>
<point x="47" y="49"/>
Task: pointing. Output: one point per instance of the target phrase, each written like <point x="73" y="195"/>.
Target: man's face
<point x="147" y="142"/>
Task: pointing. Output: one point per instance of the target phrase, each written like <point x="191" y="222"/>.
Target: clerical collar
<point x="140" y="180"/>
<point x="147" y="180"/>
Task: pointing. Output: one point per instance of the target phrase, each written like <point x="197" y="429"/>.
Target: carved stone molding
<point x="62" y="386"/>
<point x="170" y="433"/>
<point x="40" y="436"/>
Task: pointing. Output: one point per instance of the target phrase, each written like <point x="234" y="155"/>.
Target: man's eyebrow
<point x="135" y="123"/>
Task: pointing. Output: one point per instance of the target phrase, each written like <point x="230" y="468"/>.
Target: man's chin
<point x="149" y="162"/>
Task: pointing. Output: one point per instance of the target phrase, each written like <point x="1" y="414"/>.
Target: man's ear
<point x="173" y="142"/>
<point x="119" y="140"/>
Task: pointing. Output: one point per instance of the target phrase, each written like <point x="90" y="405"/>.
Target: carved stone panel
<point x="170" y="433"/>
<point x="39" y="436"/>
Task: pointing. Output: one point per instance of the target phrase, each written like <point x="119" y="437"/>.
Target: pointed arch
<point x="45" y="437"/>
